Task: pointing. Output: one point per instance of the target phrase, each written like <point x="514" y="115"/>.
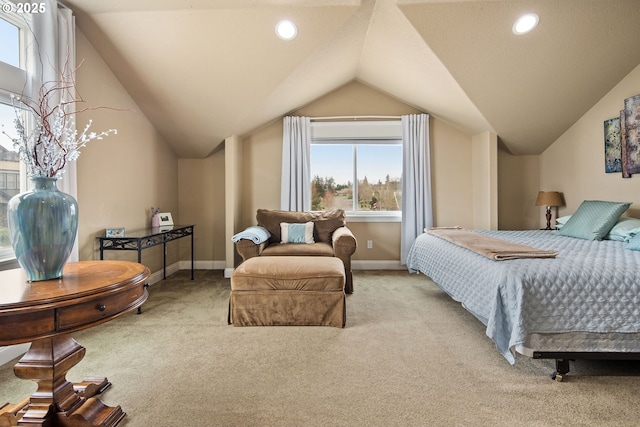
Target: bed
<point x="582" y="304"/>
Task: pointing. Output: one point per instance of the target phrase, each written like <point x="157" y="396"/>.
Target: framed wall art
<point x="612" y="153"/>
<point x="630" y="136"/>
<point x="622" y="140"/>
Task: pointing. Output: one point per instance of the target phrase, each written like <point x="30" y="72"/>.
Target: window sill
<point x="374" y="217"/>
<point x="9" y="264"/>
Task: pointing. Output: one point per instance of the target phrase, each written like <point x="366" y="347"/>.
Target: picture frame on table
<point x="114" y="232"/>
<point x="165" y="219"/>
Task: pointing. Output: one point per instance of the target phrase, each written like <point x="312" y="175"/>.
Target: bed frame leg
<point x="562" y="368"/>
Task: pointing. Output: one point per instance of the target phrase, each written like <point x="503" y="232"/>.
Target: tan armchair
<point x="330" y="233"/>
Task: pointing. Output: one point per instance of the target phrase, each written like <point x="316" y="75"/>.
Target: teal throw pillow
<point x="296" y="232"/>
<point x="593" y="219"/>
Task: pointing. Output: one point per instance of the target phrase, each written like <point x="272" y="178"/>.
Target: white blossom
<point x="54" y="140"/>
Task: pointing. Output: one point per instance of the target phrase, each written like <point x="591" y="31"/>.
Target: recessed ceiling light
<point x="525" y="23"/>
<point x="286" y="30"/>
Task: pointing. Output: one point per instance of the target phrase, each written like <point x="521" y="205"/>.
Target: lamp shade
<point x="549" y="198"/>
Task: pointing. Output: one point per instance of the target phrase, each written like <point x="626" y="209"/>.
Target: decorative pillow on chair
<point x="593" y="219"/>
<point x="296" y="232"/>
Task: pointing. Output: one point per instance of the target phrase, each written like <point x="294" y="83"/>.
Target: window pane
<point x="332" y="176"/>
<point x="9" y="172"/>
<point x="379" y="177"/>
<point x="10" y="46"/>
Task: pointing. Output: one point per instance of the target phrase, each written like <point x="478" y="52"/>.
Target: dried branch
<point x="54" y="140"/>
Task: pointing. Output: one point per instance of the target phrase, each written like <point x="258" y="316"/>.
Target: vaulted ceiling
<point x="202" y="70"/>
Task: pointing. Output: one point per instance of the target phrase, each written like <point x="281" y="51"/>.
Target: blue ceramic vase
<point x="43" y="223"/>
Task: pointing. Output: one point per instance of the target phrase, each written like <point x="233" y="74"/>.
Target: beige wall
<point x="450" y="158"/>
<point x="518" y="186"/>
<point x="261" y="172"/>
<point x="233" y="152"/>
<point x="121" y="177"/>
<point x="484" y="171"/>
<point x="201" y="194"/>
<point x="574" y="164"/>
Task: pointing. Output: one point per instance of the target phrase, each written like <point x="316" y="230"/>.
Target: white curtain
<point x="54" y="53"/>
<point x="296" y="181"/>
<point x="417" y="211"/>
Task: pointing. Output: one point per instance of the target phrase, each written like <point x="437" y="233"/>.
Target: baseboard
<point x="159" y="275"/>
<point x="10" y="352"/>
<point x="185" y="265"/>
<point x="221" y="265"/>
<point x="203" y="265"/>
<point x="377" y="265"/>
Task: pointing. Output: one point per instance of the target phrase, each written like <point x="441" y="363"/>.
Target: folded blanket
<point x="256" y="233"/>
<point x="492" y="248"/>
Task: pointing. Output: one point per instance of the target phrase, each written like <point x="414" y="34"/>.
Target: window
<point x="9" y="177"/>
<point x="15" y="36"/>
<point x="357" y="167"/>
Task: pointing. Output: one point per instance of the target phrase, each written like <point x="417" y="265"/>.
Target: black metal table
<point x="137" y="240"/>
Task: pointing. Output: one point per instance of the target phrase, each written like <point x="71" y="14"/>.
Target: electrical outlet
<point x="369" y="244"/>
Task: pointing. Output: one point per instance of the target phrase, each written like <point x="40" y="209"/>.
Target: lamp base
<point x="548" y="219"/>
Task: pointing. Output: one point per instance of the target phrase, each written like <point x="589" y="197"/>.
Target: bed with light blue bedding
<point x="586" y="299"/>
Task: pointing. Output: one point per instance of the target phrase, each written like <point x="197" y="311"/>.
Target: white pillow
<point x="296" y="232"/>
<point x="624" y="230"/>
<point x="562" y="221"/>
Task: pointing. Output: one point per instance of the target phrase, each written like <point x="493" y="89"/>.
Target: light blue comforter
<point x="590" y="286"/>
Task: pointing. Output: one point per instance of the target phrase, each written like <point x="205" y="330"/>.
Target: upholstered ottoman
<point x="288" y="290"/>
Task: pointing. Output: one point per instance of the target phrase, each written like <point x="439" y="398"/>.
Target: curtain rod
<point x="356" y="118"/>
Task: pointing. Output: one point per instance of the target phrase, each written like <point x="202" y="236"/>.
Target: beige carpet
<point x="409" y="356"/>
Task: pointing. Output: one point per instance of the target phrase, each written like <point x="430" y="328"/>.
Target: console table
<point x="137" y="240"/>
<point x="45" y="313"/>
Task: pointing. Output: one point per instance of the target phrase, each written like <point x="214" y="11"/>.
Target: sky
<point x="9" y="53"/>
<point x="374" y="161"/>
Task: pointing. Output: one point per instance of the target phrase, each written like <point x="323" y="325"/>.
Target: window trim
<point x="385" y="132"/>
<point x="24" y="22"/>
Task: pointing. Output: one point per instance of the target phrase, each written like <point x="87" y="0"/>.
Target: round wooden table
<point x="46" y="313"/>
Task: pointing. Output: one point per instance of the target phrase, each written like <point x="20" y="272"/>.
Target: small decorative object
<point x="155" y="217"/>
<point x="43" y="222"/>
<point x="165" y="219"/>
<point x="114" y="232"/>
<point x="549" y="199"/>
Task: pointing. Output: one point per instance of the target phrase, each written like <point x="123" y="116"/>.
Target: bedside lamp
<point x="549" y="199"/>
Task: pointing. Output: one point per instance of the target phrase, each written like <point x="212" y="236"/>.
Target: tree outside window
<point x="358" y="177"/>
